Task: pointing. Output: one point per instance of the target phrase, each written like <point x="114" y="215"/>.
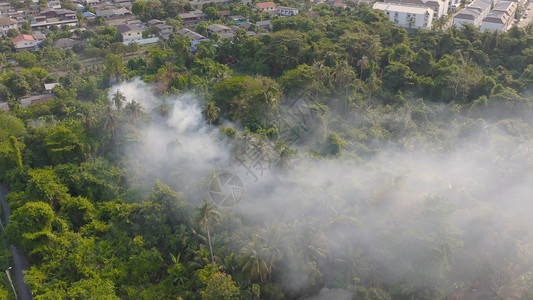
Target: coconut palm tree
<point x="363" y="64"/>
<point x="133" y="110"/>
<point x="254" y="261"/>
<point x="111" y="121"/>
<point x="118" y="99"/>
<point x="210" y="112"/>
<point x="205" y="216"/>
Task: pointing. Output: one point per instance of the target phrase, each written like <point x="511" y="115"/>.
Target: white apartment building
<point x="408" y="16"/>
<point x="501" y="17"/>
<point x="473" y="14"/>
<point x="440" y="7"/>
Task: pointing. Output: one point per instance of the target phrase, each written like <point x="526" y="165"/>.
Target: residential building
<point x="6" y="24"/>
<point x="286" y="11"/>
<point x="191" y="34"/>
<point x="418" y="17"/>
<point x="199" y="3"/>
<point x="501" y="17"/>
<point x="238" y="19"/>
<point x="65" y="43"/>
<point x="53" y="21"/>
<point x="154" y="22"/>
<point x="473" y="14"/>
<point x="61" y="14"/>
<point x="224" y="14"/>
<point x="164" y="30"/>
<point x="49" y="87"/>
<point x="38" y="36"/>
<point x="124" y="3"/>
<point x="440" y="7"/>
<point x="5" y="8"/>
<point x="25" y="42"/>
<point x="221" y="30"/>
<point x="113" y="12"/>
<point x="129" y="33"/>
<point x="193" y="18"/>
<point x="53" y="4"/>
<point x="264" y="25"/>
<point x="269" y="7"/>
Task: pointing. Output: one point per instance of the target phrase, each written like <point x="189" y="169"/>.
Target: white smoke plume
<point x="407" y="210"/>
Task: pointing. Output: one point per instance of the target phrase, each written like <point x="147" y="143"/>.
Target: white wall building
<point x="407" y="16"/>
<point x="6" y="24"/>
<point x="440" y="7"/>
<point x="287" y="11"/>
<point x="129" y="33"/>
<point x="501" y="17"/>
<point x="473" y="14"/>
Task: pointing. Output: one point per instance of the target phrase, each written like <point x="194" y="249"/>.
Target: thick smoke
<point x="402" y="210"/>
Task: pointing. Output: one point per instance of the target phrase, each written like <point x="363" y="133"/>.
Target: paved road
<point x="19" y="261"/>
<point x="528" y="12"/>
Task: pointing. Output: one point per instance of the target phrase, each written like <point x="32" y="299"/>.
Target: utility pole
<point x="11" y="282"/>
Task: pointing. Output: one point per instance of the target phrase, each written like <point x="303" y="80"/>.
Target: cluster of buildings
<point x="488" y="15"/>
<point x="420" y="14"/>
<point x="271" y="7"/>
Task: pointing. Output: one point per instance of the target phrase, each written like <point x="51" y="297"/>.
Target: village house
<point x="222" y="30"/>
<point x="193" y="18"/>
<point x="286" y="11"/>
<point x="224" y="14"/>
<point x="269" y="7"/>
<point x="5" y="8"/>
<point x="264" y="25"/>
<point x="6" y="24"/>
<point x="164" y="30"/>
<point x="191" y="34"/>
<point x="200" y="3"/>
<point x="129" y="33"/>
<point x="61" y="14"/>
<point x="49" y="87"/>
<point x="237" y="19"/>
<point x="124" y="3"/>
<point x="38" y="36"/>
<point x="25" y="42"/>
<point x="113" y="12"/>
<point x="53" y="4"/>
<point x="65" y="43"/>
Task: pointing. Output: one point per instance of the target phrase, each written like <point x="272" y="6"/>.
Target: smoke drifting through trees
<point x="445" y="200"/>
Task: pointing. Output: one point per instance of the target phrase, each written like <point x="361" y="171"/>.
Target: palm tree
<point x="210" y="112"/>
<point x="134" y="110"/>
<point x="254" y="261"/>
<point x="111" y="121"/>
<point x="275" y="245"/>
<point x="239" y="111"/>
<point x="285" y="155"/>
<point x="320" y="71"/>
<point x="207" y="214"/>
<point x="118" y="99"/>
<point x="363" y="63"/>
<point x="344" y="77"/>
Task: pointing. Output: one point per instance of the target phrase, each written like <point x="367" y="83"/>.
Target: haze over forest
<point x="364" y="159"/>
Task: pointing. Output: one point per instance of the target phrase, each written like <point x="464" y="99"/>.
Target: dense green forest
<point x="392" y="165"/>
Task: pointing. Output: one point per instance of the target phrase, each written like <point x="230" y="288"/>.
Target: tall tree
<point x="118" y="99"/>
<point x="210" y="112"/>
<point x="207" y="214"/>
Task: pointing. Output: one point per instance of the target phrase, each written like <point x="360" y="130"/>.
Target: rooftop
<point x="23" y="37"/>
